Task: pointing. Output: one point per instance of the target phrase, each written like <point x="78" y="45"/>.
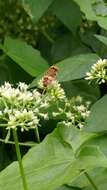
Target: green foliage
<point x="92" y="12"/>
<point x="64" y="13"/>
<point x="35" y="12"/>
<point x="80" y="64"/>
<point x="52" y="163"/>
<point x="82" y="88"/>
<point x="24" y="55"/>
<point x="15" y="22"/>
<point x="97" y="121"/>
<point x="101" y="38"/>
<point x="72" y="35"/>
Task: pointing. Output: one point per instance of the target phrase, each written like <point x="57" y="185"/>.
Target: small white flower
<point x="35" y="121"/>
<point x="55" y="114"/>
<point x="70" y="116"/>
<point x="36" y="94"/>
<point x="12" y="122"/>
<point x="67" y="124"/>
<point x="36" y="110"/>
<point x="44" y="116"/>
<point x="88" y="103"/>
<point x="22" y="86"/>
<point x="87" y="113"/>
<point x="25" y="96"/>
<point x="80" y="125"/>
<point x="79" y="99"/>
<point x="40" y="83"/>
<point x="44" y="104"/>
<point x="81" y="108"/>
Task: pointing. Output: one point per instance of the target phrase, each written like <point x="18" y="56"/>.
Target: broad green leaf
<point x="101" y="38"/>
<point x="67" y="187"/>
<point x="51" y="164"/>
<point x="73" y="136"/>
<point x="100" y="141"/>
<point x="87" y="8"/>
<point x="67" y="45"/>
<point x="75" y="67"/>
<point x="97" y="121"/>
<point x="82" y="88"/>
<point x="71" y="69"/>
<point x="99" y="175"/>
<point x="68" y="12"/>
<point x="36" y="8"/>
<point x="5" y="74"/>
<point x="25" y="56"/>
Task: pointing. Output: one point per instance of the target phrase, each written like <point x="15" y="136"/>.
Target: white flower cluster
<point x="55" y="91"/>
<point x="20" y="107"/>
<point x="75" y="112"/>
<point x="81" y="113"/>
<point x="23" y="108"/>
<point x="98" y="72"/>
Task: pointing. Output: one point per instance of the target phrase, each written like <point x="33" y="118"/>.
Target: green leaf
<point x="101" y="38"/>
<point x="75" y="67"/>
<point x="99" y="175"/>
<point x="87" y="8"/>
<point x="5" y="74"/>
<point x="51" y="164"/>
<point x="97" y="122"/>
<point x="25" y="56"/>
<point x="36" y="8"/>
<point x="74" y="137"/>
<point x="66" y="46"/>
<point x="67" y="187"/>
<point x="68" y="12"/>
<point x="82" y="88"/>
<point x="100" y="141"/>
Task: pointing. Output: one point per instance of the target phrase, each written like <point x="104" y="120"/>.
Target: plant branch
<point x="37" y="134"/>
<point x="91" y="181"/>
<point x="20" y="143"/>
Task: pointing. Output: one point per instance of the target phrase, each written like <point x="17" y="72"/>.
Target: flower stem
<point x="20" y="143"/>
<point x="91" y="181"/>
<point x="20" y="160"/>
<point x="47" y="36"/>
<point x="37" y="134"/>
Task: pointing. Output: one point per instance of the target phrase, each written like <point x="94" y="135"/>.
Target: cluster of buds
<point x="15" y="21"/>
<point x="98" y="72"/>
<point x="18" y="106"/>
<point x="74" y="112"/>
<point x="23" y="108"/>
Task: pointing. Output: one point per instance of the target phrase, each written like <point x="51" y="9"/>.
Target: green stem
<point x="20" y="143"/>
<point x="91" y="181"/>
<point x="37" y="134"/>
<point x="20" y="160"/>
<point x="47" y="36"/>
